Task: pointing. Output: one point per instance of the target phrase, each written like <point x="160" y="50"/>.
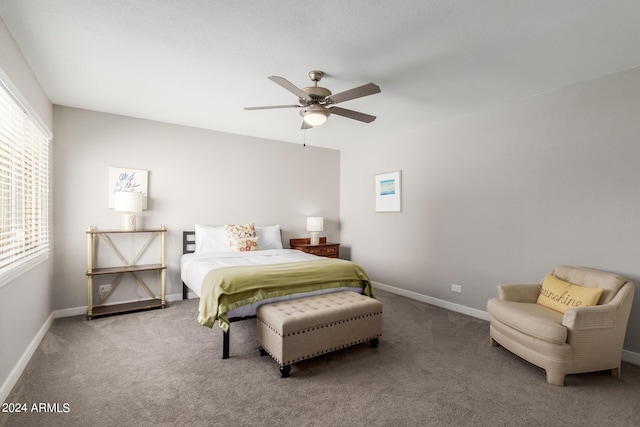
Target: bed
<point x="231" y="285"/>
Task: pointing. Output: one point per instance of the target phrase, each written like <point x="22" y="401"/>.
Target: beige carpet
<point x="433" y="368"/>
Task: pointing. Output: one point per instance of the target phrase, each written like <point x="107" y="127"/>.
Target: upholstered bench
<point x="298" y="329"/>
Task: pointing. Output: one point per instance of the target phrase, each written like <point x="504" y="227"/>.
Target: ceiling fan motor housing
<point x="316" y="93"/>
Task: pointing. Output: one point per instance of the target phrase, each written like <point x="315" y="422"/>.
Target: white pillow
<point x="270" y="237"/>
<point x="211" y="239"/>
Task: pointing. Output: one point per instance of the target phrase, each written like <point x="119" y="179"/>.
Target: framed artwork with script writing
<point x="130" y="180"/>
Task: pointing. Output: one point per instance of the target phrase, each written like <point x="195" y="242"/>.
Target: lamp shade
<point x="127" y="201"/>
<point x="314" y="115"/>
<point x="315" y="223"/>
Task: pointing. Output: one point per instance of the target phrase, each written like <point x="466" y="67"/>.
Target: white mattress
<point x="194" y="267"/>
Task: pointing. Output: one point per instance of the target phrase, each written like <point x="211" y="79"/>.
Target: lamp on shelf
<point x="129" y="202"/>
<point x="315" y="225"/>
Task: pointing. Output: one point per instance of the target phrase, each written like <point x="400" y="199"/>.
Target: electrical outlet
<point x="103" y="290"/>
<point x="456" y="288"/>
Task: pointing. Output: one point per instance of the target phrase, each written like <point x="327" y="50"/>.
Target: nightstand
<point x="329" y="250"/>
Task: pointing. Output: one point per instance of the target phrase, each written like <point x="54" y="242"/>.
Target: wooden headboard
<point x="188" y="242"/>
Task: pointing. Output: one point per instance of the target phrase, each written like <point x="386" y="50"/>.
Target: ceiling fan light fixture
<point x="314" y="115"/>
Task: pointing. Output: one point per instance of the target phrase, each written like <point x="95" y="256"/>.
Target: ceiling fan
<point x="318" y="103"/>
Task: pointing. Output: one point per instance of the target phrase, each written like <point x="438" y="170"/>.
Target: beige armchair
<point x="583" y="339"/>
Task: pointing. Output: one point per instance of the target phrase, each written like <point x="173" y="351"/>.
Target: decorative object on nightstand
<point x="127" y="266"/>
<point x="315" y="224"/>
<point x="329" y="250"/>
<point x="129" y="202"/>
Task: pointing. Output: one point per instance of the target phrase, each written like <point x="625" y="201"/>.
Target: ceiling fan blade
<point x="270" y="107"/>
<point x="289" y="86"/>
<point x="305" y="126"/>
<point x="358" y="92"/>
<point x="350" y="114"/>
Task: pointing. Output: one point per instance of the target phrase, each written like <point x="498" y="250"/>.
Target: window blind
<point x="24" y="189"/>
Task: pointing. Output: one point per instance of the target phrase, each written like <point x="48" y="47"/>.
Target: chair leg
<point x="615" y="372"/>
<point x="493" y="342"/>
<point x="555" y="378"/>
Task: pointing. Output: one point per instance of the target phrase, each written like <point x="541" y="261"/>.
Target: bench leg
<point x="285" y="370"/>
<point x="374" y="342"/>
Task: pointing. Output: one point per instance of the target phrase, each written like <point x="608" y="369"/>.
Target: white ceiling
<point x="199" y="62"/>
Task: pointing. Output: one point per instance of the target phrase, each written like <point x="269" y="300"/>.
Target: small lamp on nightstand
<point x="315" y="224"/>
<point x="129" y="202"/>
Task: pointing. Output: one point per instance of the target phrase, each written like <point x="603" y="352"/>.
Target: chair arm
<point x="586" y="318"/>
<point x="519" y="293"/>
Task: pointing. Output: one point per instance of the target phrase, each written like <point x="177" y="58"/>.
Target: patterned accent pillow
<point x="244" y="244"/>
<point x="235" y="232"/>
<point x="246" y="230"/>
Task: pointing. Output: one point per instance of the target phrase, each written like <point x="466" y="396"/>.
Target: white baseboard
<point x="78" y="311"/>
<point x="17" y="370"/>
<point x="631" y="357"/>
<point x="433" y="301"/>
<point x="627" y="356"/>
<point x="13" y="377"/>
<point x="173" y="297"/>
<point x="69" y="312"/>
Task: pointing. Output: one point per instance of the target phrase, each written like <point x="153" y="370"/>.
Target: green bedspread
<point x="230" y="287"/>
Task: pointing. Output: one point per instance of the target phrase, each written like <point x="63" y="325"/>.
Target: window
<point x="24" y="189"/>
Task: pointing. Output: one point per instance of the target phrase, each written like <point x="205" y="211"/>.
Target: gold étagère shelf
<point x="126" y="267"/>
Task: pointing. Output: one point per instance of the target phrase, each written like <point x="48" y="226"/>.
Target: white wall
<point x="195" y="176"/>
<point x="504" y="195"/>
<point x="25" y="303"/>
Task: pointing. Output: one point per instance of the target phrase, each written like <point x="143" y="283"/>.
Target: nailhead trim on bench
<point x="302" y="331"/>
<point x="319" y="353"/>
<point x="329" y="350"/>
